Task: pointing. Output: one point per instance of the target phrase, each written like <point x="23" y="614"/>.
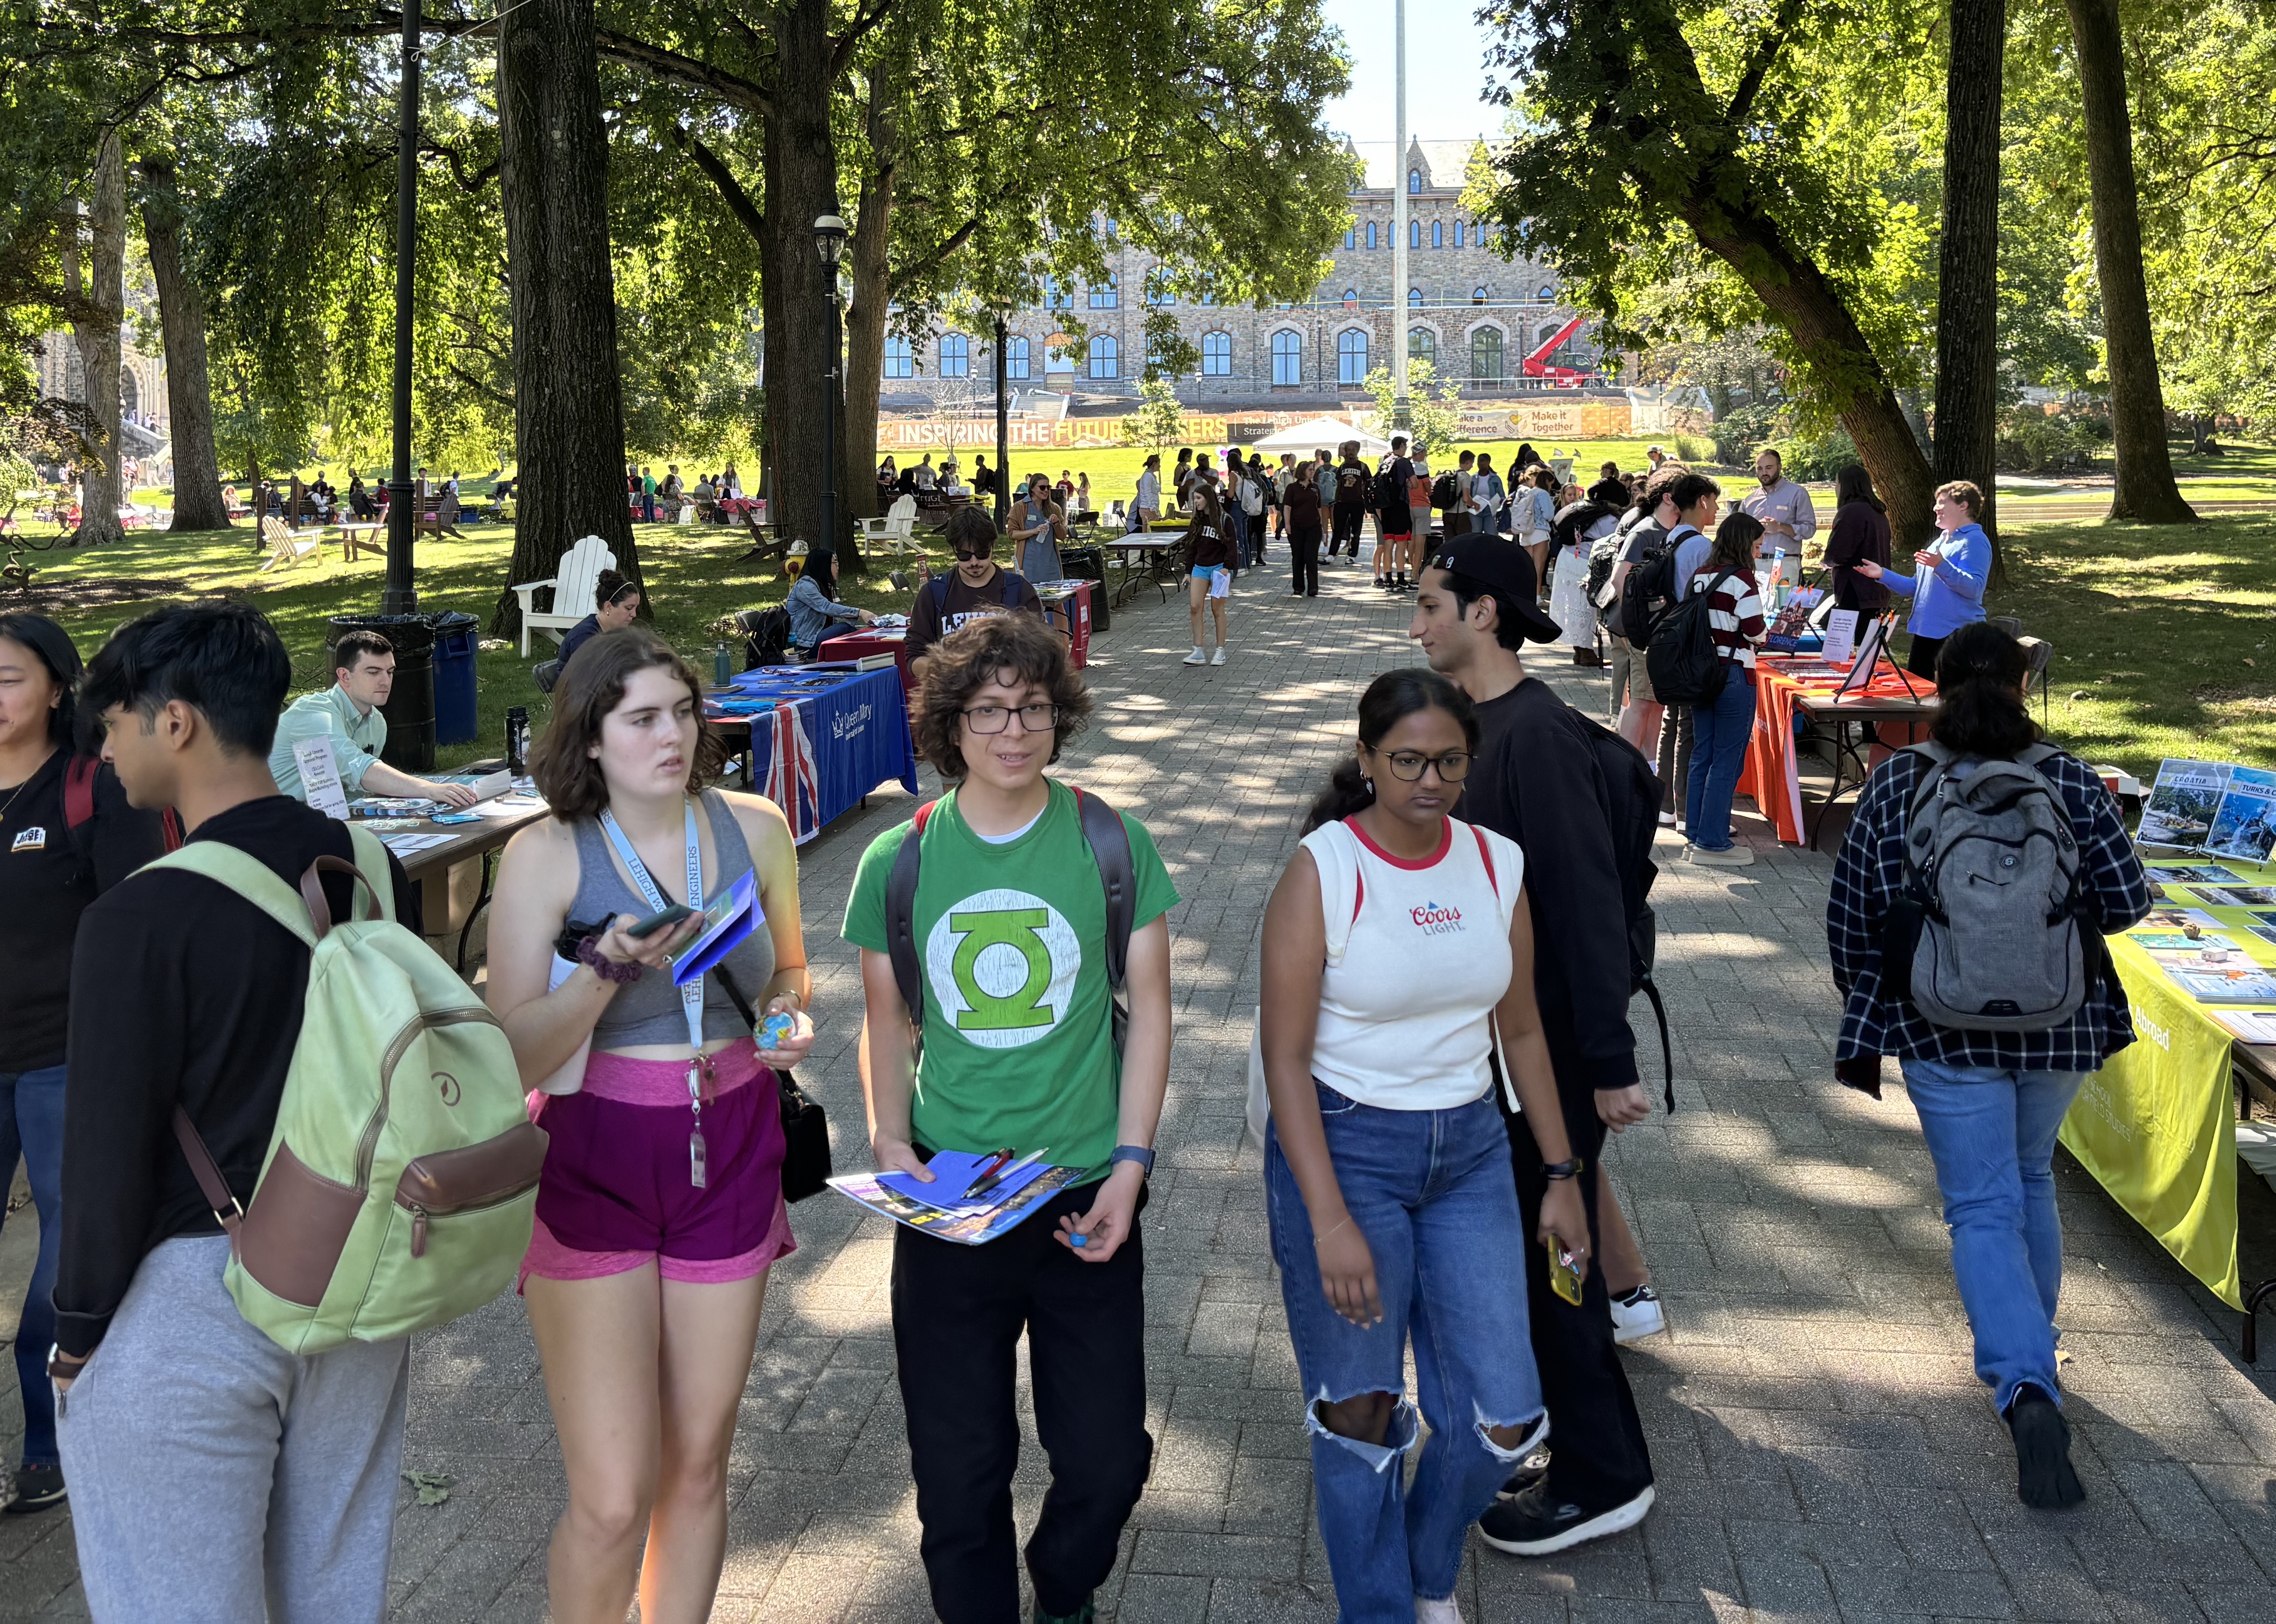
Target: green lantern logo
<point x="1003" y="966"/>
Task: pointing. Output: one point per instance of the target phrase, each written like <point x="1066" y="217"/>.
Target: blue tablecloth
<point x="852" y="734"/>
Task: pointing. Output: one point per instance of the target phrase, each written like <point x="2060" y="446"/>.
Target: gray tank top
<point x="647" y="1011"/>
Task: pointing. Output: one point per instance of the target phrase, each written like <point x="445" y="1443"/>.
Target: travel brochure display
<point x="996" y="1210"/>
<point x="2214" y="957"/>
<point x="2183" y="804"/>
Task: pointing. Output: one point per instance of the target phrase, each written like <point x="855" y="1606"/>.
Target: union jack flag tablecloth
<point x="819" y="745"/>
<point x="792" y="782"/>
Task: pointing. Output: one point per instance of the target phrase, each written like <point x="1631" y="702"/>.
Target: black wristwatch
<point x="1569" y="1168"/>
<point x="1139" y="1154"/>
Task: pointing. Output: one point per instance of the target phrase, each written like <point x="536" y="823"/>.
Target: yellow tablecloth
<point x="2157" y="1125"/>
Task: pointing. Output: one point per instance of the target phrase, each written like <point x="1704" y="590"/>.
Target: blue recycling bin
<point x="456" y="635"/>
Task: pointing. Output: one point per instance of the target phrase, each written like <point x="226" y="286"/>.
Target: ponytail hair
<point x="1979" y="681"/>
<point x="1389" y="700"/>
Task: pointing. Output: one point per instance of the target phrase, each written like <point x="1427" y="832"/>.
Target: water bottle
<point x="722" y="670"/>
<point x="516" y="741"/>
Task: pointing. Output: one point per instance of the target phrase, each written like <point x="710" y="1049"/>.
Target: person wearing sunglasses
<point x="1397" y="962"/>
<point x="977" y="586"/>
<point x="1009" y="919"/>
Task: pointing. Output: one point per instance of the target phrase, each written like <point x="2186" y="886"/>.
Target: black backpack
<point x="1575" y="520"/>
<point x="766" y="636"/>
<point x="1684" y="666"/>
<point x="1632" y="794"/>
<point x="1390" y="491"/>
<point x="1444" y="493"/>
<point x="1118" y="872"/>
<point x="1649" y="590"/>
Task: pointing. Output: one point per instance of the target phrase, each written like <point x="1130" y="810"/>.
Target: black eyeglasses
<point x="1407" y="765"/>
<point x="1038" y="718"/>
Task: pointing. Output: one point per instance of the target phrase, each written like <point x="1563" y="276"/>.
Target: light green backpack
<point x="402" y="1178"/>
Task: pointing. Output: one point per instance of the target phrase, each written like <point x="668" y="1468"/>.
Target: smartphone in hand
<point x="661" y="920"/>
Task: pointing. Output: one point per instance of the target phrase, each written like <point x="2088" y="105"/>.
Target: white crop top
<point x="1418" y="956"/>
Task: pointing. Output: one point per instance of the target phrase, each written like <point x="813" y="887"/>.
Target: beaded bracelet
<point x="588" y="951"/>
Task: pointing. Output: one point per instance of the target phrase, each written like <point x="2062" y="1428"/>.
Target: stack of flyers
<point x="2254" y="1026"/>
<point x="2245" y="826"/>
<point x="2239" y="984"/>
<point x="2183" y="803"/>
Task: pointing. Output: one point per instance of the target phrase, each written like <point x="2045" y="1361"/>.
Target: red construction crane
<point x="1536" y="365"/>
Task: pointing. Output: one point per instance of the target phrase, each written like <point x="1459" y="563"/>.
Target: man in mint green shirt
<point x="1009" y="923"/>
<point x="347" y="715"/>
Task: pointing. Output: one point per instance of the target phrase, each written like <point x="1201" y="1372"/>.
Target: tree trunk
<point x="1967" y="280"/>
<point x="1801" y="300"/>
<point x="189" y="394"/>
<point x="801" y="170"/>
<point x="96" y="333"/>
<point x="568" y="414"/>
<point x="2146" y="490"/>
<point x="865" y="317"/>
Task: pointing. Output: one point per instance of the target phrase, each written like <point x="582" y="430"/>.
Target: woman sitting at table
<point x="811" y="611"/>
<point x="359" y="498"/>
<point x="1990" y="1102"/>
<point x="616" y="605"/>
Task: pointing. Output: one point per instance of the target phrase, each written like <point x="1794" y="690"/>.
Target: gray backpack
<point x="1992" y="925"/>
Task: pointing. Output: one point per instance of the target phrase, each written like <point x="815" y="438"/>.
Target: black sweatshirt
<point x="47" y="878"/>
<point x="1536" y="781"/>
<point x="182" y="993"/>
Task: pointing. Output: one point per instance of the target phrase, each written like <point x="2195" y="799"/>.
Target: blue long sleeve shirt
<point x="1950" y="595"/>
<point x="811" y="613"/>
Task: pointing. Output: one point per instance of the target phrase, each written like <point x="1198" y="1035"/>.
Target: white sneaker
<point x="1196" y="658"/>
<point x="1218" y="657"/>
<point x="1637" y="1316"/>
<point x="1729" y="857"/>
<point x="1668" y="820"/>
<point x="1436" y="1611"/>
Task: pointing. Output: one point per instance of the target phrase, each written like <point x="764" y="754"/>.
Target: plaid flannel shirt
<point x="1871" y="871"/>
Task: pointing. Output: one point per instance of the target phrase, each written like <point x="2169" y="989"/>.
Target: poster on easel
<point x="2183" y="803"/>
<point x="1841" y="636"/>
<point x="1871" y="646"/>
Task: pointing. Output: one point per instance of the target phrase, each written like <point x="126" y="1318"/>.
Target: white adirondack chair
<point x="288" y="546"/>
<point x="574" y="587"/>
<point x="898" y="529"/>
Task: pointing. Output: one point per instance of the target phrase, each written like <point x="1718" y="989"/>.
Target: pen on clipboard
<point x="983" y="1186"/>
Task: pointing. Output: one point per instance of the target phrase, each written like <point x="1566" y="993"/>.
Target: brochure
<point x="2189" y="921"/>
<point x="2238" y="896"/>
<point x="2262" y="926"/>
<point x="2247" y="985"/>
<point x="2194" y="874"/>
<point x="728" y="918"/>
<point x="1841" y="636"/>
<point x="2245" y="826"/>
<point x="2175" y="941"/>
<point x="2254" y="1026"/>
<point x="2183" y="803"/>
<point x="954" y="1171"/>
<point x="963" y="1228"/>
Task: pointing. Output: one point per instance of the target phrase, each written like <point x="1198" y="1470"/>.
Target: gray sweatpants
<point x="214" y="1476"/>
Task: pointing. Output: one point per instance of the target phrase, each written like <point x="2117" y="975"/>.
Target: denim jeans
<point x="1992" y="1135"/>
<point x="1433" y="1193"/>
<point x="1720" y="732"/>
<point x="32" y="1122"/>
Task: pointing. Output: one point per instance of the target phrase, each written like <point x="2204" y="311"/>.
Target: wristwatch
<point x="1139" y="1154"/>
<point x="1570" y="1168"/>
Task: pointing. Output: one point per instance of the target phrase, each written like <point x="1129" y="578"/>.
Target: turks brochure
<point x="2183" y="803"/>
<point x="727" y="919"/>
<point x="2245" y="826"/>
<point x="999" y="1213"/>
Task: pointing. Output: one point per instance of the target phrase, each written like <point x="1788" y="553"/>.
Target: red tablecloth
<point x="1073" y="618"/>
<point x="1771" y="775"/>
<point x="862" y="645"/>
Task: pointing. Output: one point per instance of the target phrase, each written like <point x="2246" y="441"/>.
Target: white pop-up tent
<point x="1321" y="433"/>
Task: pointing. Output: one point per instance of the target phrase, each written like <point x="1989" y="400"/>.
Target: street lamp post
<point x="830" y="242"/>
<point x="1003" y="428"/>
<point x="400" y="596"/>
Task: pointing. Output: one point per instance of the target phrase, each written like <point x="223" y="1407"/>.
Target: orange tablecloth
<point x="1771" y="775"/>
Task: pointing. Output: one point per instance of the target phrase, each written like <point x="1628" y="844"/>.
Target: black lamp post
<point x="1003" y="429"/>
<point x="400" y="596"/>
<point x="830" y="242"/>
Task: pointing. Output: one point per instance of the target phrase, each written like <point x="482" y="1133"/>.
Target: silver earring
<point x="1369" y="783"/>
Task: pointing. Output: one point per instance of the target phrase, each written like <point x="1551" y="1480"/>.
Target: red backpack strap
<point x="1485" y="856"/>
<point x="79" y="790"/>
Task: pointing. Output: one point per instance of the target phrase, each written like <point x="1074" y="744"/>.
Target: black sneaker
<point x="37" y="1488"/>
<point x="2045" y="1477"/>
<point x="1084" y="1614"/>
<point x="1533" y="1524"/>
<point x="1529" y="1471"/>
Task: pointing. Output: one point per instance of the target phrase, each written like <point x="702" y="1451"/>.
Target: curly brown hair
<point x="592" y="685"/>
<point x="1015" y="649"/>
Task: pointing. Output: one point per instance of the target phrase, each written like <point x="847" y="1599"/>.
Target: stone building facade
<point x="1474" y="313"/>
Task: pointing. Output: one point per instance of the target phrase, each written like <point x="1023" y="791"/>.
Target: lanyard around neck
<point x="691" y="996"/>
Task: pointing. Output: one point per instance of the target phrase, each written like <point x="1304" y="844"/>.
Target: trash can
<point x="456" y="635"/>
<point x="410" y="706"/>
<point x="1089" y="564"/>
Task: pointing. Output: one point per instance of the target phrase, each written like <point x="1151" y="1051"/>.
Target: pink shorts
<point x="615" y="1193"/>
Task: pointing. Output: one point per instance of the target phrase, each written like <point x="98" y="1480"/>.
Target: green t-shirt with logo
<point x="1018" y="1039"/>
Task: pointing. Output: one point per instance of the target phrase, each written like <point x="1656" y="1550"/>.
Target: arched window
<point x="1415" y="234"/>
<point x="1102" y="357"/>
<point x="1351" y="236"/>
<point x="1479" y="295"/>
<point x="1351" y="357"/>
<point x="1157" y="290"/>
<point x="1216" y="355"/>
<point x="1485" y="355"/>
<point x="1015" y="358"/>
<point x="1414" y="299"/>
<point x="1548" y="293"/>
<point x="900" y="358"/>
<point x="1055" y="356"/>
<point x="1422" y="344"/>
<point x="1459" y="233"/>
<point x="955" y="355"/>
<point x="1370" y="234"/>
<point x="1106" y="295"/>
<point x="1350" y="296"/>
<point x="1414" y="180"/>
<point x="1437" y="233"/>
<point x="1288" y="357"/>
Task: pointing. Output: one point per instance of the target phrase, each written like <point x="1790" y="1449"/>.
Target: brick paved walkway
<point x="1822" y="1448"/>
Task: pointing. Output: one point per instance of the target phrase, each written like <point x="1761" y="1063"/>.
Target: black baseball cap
<point x="1486" y="567"/>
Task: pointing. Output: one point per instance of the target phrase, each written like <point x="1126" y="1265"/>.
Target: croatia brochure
<point x="2183" y="803"/>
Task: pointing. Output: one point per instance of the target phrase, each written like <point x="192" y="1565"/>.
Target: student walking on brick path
<point x="1537" y="780"/>
<point x="661" y="1207"/>
<point x="1302" y="506"/>
<point x="1208" y="572"/>
<point x="1010" y="876"/>
<point x="215" y="1477"/>
<point x="1397" y="949"/>
<point x="1992" y="1094"/>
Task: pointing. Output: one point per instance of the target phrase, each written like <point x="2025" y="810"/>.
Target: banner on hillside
<point x="1562" y="419"/>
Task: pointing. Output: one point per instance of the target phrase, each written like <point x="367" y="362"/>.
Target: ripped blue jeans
<point x="1432" y="1192"/>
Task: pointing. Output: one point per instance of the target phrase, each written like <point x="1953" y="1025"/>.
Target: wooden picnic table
<point x="460" y="869"/>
